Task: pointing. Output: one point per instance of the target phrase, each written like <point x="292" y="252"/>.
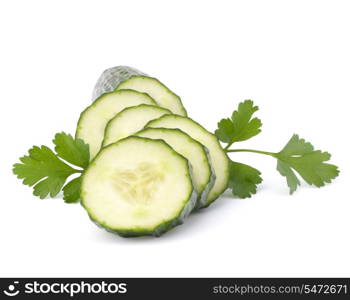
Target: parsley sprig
<point x="48" y="171"/>
<point x="298" y="156"/>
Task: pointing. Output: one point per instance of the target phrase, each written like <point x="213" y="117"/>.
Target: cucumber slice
<point x="157" y="90"/>
<point x="93" y="120"/>
<point x="138" y="186"/>
<point x="131" y="120"/>
<point x="219" y="159"/>
<point x="195" y="152"/>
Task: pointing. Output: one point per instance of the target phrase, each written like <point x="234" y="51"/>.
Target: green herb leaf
<point x="71" y="191"/>
<point x="292" y="180"/>
<point x="241" y="126"/>
<point x="43" y="165"/>
<point x="300" y="156"/>
<point x="243" y="179"/>
<point x="44" y="169"/>
<point x="225" y="131"/>
<point x="75" y="151"/>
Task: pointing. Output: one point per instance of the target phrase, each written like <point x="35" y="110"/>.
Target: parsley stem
<point x="228" y="146"/>
<point x="253" y="151"/>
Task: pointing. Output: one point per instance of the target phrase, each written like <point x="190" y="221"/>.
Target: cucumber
<point x="157" y="90"/>
<point x="111" y="78"/>
<point x="219" y="159"/>
<point x="195" y="152"/>
<point x="131" y="120"/>
<point x="123" y="77"/>
<point x="138" y="186"/>
<point x="93" y="120"/>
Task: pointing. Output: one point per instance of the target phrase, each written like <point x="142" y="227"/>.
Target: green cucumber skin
<point x="162" y="84"/>
<point x="218" y="194"/>
<point x="202" y="202"/>
<point x="111" y="78"/>
<point x="161" y="228"/>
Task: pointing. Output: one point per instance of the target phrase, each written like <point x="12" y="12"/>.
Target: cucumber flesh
<point x="111" y="78"/>
<point x="195" y="152"/>
<point x="219" y="159"/>
<point x="93" y="120"/>
<point x="131" y="120"/>
<point x="157" y="90"/>
<point x="138" y="186"/>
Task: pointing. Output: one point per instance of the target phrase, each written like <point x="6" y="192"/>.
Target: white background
<point x="291" y="57"/>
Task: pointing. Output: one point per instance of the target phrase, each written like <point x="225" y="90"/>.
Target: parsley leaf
<point x="225" y="130"/>
<point x="241" y="126"/>
<point x="47" y="172"/>
<point x="71" y="191"/>
<point x="43" y="163"/>
<point x="300" y="156"/>
<point x="75" y="151"/>
<point x="292" y="180"/>
<point x="243" y="179"/>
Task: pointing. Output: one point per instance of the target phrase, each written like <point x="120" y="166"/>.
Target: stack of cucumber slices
<point x="151" y="165"/>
